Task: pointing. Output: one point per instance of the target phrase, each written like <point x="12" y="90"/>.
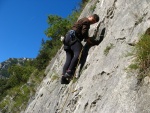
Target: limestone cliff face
<point x="104" y="86"/>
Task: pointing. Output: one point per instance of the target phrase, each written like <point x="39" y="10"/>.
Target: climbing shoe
<point x="68" y="75"/>
<point x="64" y="81"/>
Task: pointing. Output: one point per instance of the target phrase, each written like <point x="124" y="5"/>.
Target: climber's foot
<point x="64" y="80"/>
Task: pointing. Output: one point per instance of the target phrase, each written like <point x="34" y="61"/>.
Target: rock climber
<point x="73" y="46"/>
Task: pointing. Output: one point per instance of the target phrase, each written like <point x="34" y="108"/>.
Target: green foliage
<point x="57" y="26"/>
<point x="3" y="83"/>
<point x="142" y="56"/>
<point x="142" y="49"/>
<point x="106" y="51"/>
<point x="143" y="52"/>
<point x="16" y="99"/>
<point x="3" y="105"/>
<point x="21" y="98"/>
<point x="4" y="73"/>
<point x="36" y="77"/>
<point x="8" y="63"/>
<point x="46" y="53"/>
<point x="133" y="66"/>
<point x="19" y="74"/>
<point x="13" y="61"/>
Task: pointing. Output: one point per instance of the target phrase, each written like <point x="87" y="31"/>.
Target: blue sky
<point x="23" y="23"/>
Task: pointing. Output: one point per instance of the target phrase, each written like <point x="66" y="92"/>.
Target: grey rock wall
<point x="104" y="86"/>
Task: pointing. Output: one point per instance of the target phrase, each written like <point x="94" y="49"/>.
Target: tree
<point x="57" y="26"/>
<point x="19" y="74"/>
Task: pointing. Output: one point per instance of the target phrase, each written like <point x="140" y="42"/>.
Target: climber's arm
<point x="89" y="41"/>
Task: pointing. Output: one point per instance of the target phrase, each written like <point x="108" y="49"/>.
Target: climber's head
<point x="93" y="18"/>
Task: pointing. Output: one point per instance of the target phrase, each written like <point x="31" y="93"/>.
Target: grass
<point x="133" y="66"/>
<point x="142" y="56"/>
<point x="143" y="52"/>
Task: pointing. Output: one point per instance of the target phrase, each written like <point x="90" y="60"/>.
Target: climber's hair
<point x="96" y="17"/>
